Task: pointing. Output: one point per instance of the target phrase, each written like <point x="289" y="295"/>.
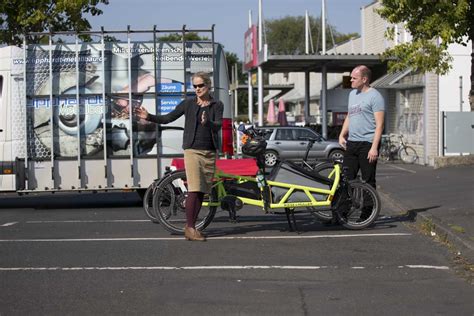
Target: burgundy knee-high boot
<point x="193" y="206"/>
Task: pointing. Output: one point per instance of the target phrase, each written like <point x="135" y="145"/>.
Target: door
<point x="6" y="164"/>
<point x="317" y="150"/>
<point x="289" y="147"/>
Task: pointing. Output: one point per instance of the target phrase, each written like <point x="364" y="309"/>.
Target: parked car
<point x="290" y="143"/>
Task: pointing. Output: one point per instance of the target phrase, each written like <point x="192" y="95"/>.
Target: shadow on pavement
<point x="306" y="223"/>
<point x="408" y="216"/>
<point x="71" y="200"/>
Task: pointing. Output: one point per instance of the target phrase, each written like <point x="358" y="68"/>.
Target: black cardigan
<point x="190" y="109"/>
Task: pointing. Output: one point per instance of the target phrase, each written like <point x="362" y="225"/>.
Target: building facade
<point x="414" y="101"/>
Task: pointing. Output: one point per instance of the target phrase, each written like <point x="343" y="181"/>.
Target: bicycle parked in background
<point x="390" y="151"/>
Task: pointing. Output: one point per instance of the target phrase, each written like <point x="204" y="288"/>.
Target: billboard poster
<point x="74" y="92"/>
<point x="251" y="48"/>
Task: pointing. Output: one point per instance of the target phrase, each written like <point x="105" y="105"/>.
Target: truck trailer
<point x="66" y="109"/>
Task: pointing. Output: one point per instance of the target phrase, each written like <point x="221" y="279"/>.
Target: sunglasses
<point x="201" y="85"/>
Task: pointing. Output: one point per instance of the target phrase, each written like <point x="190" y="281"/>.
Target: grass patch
<point x="457" y="228"/>
<point x="428" y="227"/>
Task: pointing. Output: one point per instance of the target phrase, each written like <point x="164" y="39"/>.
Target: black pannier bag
<point x="291" y="173"/>
<point x="247" y="189"/>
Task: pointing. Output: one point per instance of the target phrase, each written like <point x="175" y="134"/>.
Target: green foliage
<point x="19" y="17"/>
<point x="433" y="25"/>
<point x="178" y="37"/>
<point x="286" y="36"/>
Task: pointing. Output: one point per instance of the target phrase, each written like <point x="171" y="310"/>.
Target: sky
<point x="231" y="18"/>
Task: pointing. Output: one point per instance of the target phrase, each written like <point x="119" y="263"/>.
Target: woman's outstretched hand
<point x="141" y="112"/>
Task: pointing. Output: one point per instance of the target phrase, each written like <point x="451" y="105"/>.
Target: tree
<point x="450" y="21"/>
<point x="178" y="37"/>
<point x="19" y="17"/>
<point x="286" y="36"/>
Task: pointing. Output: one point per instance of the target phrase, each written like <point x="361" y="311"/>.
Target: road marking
<point x="401" y="168"/>
<point x="8" y="224"/>
<point x="209" y="238"/>
<point x="91" y="221"/>
<point x="420" y="266"/>
<point x="246" y="267"/>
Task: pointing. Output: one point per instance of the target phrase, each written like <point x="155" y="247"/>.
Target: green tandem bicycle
<point x="330" y="197"/>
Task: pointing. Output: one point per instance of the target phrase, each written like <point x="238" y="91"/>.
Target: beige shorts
<point x="200" y="167"/>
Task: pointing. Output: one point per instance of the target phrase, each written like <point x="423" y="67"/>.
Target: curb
<point x="439" y="227"/>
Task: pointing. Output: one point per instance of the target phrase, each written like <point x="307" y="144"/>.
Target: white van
<point x="64" y="112"/>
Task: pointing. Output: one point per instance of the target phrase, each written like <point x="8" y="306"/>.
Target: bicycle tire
<point x="324" y="216"/>
<point x="362" y="207"/>
<point x="169" y="204"/>
<point x="408" y="154"/>
<point x="148" y="203"/>
<point x="388" y="153"/>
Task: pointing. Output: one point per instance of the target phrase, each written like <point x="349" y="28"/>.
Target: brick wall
<point x="432" y="105"/>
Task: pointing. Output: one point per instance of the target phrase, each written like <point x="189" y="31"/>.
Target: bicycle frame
<point x="221" y="177"/>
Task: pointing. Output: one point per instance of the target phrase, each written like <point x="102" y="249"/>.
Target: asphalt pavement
<point x="440" y="200"/>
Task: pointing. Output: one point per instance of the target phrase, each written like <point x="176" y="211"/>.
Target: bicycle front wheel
<point x="408" y="154"/>
<point x="388" y="153"/>
<point x="360" y="208"/>
<point x="169" y="204"/>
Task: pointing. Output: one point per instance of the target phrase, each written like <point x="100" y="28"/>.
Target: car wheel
<point x="271" y="158"/>
<point x="336" y="155"/>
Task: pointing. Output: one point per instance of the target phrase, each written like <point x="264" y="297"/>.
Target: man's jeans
<point x="355" y="158"/>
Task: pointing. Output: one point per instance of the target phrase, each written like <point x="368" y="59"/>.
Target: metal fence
<point x="458" y="132"/>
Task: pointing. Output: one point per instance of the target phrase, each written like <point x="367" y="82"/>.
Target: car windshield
<point x="267" y="133"/>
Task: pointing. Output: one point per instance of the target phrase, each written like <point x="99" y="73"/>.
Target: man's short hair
<point x="364" y="71"/>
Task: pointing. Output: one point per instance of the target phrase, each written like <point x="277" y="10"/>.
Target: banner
<point x="67" y="85"/>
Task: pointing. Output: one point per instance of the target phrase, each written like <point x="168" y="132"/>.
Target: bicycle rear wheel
<point x="360" y="208"/>
<point x="148" y="203"/>
<point x="169" y="204"/>
<point x="408" y="154"/>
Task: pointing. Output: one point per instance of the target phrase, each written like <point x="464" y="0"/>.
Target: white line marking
<point x="162" y="268"/>
<point x="209" y="238"/>
<point x="246" y="267"/>
<point x="9" y="224"/>
<point x="420" y="266"/>
<point x="400" y="168"/>
<point x="91" y="221"/>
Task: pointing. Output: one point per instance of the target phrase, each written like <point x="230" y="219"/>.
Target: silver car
<point x="291" y="142"/>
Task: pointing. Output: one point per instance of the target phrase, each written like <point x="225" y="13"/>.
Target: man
<point x="362" y="129"/>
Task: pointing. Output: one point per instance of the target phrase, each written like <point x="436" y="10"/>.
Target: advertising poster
<point x="74" y="92"/>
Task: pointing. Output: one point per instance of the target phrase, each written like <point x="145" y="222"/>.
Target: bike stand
<point x="290" y="217"/>
<point x="228" y="204"/>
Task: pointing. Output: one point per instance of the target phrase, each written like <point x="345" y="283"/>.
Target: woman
<point x="203" y="120"/>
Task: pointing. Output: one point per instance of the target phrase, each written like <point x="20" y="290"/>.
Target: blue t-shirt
<point x="362" y="106"/>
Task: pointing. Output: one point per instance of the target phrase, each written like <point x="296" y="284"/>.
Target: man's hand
<point x="342" y="142"/>
<point x="373" y="154"/>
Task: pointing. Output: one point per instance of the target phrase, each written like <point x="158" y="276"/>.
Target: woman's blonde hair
<point x="204" y="76"/>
